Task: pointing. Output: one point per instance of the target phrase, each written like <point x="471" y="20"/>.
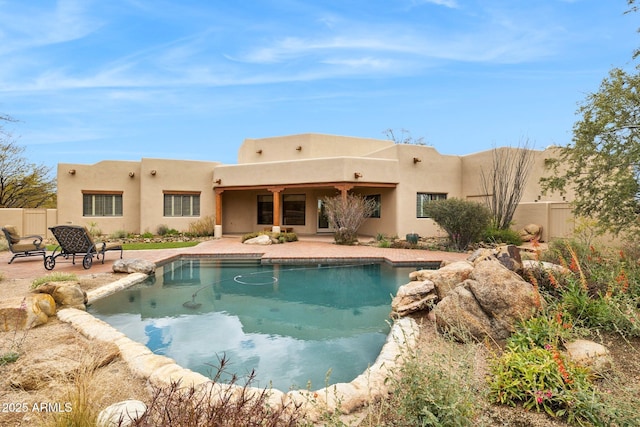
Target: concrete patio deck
<point x="308" y="248"/>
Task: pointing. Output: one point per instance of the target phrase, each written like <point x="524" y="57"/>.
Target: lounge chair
<point x="75" y="240"/>
<point x="23" y="246"/>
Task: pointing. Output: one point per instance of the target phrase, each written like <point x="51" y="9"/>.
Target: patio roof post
<point x="276" y="208"/>
<point x="344" y="190"/>
<point x="217" y="228"/>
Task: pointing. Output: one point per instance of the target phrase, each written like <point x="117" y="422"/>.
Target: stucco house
<point x="280" y="182"/>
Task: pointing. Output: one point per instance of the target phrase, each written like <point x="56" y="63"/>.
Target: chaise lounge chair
<point x="23" y="246"/>
<point x="75" y="240"/>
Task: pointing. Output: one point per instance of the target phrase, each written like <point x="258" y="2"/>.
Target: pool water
<point x="296" y="326"/>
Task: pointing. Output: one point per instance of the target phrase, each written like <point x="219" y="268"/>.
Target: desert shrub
<point x="147" y="235"/>
<point x="164" y="230"/>
<point x="506" y="236"/>
<point x="218" y="404"/>
<point x="462" y="220"/>
<point x="94" y="230"/>
<point x="119" y="234"/>
<point x="287" y="237"/>
<point x="602" y="289"/>
<point x="434" y="390"/>
<point x="346" y="216"/>
<point x="252" y="235"/>
<point x="203" y="227"/>
<point x="384" y="243"/>
<point x="542" y="379"/>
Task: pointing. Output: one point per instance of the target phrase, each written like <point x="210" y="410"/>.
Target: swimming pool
<point x="297" y="326"/>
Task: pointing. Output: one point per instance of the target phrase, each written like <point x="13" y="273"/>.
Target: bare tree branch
<point x="504" y="183"/>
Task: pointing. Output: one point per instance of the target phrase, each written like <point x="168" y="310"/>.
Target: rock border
<point x="162" y="371"/>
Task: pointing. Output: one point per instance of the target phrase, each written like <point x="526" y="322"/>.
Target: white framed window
<point x="423" y="199"/>
<point x="181" y="204"/>
<point x="101" y="203"/>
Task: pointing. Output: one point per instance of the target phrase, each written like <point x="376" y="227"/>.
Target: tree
<point x="404" y="137"/>
<point x="22" y="184"/>
<point x="463" y="221"/>
<point x="504" y="183"/>
<point x="602" y="163"/>
<point x="346" y="216"/>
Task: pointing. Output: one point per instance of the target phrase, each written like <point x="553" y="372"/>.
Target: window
<point x="181" y="204"/>
<point x="293" y="209"/>
<point x="423" y="199"/>
<point x="265" y="209"/>
<point x="376" y="199"/>
<point x="102" y="204"/>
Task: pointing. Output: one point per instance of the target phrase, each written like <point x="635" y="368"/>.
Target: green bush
<point x="462" y="220"/>
<point x="252" y="235"/>
<point x="119" y="234"/>
<point x="433" y="390"/>
<point x="164" y="230"/>
<point x="496" y="235"/>
<point x="279" y="237"/>
<point x="147" y="235"/>
<point x="384" y="243"/>
<point x="542" y="379"/>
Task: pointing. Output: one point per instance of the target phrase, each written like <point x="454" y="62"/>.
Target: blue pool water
<point x="297" y="326"/>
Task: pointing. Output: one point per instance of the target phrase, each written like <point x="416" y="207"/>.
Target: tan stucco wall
<point x="312" y="146"/>
<point x="474" y="164"/>
<point x="11" y="216"/>
<point x="141" y="189"/>
<point x="337" y="169"/>
<point x="174" y="175"/>
<point x="324" y="162"/>
<point x="103" y="176"/>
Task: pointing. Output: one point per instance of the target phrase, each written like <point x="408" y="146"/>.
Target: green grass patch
<point x="157" y="245"/>
<point x="146" y="245"/>
<point x="53" y="277"/>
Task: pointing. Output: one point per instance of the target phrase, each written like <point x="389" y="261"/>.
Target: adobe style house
<point x="280" y="182"/>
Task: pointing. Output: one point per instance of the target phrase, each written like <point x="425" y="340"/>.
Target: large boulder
<point x="445" y="278"/>
<point x="591" y="355"/>
<point x="66" y="294"/>
<point x="508" y="255"/>
<point x="262" y="239"/>
<point x="413" y="297"/>
<point x="488" y="304"/>
<point x="32" y="311"/>
<point x="121" y="414"/>
<point x="531" y="232"/>
<point x="134" y="266"/>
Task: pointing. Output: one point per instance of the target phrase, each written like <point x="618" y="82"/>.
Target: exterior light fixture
<point x="132" y="174"/>
<point x="299" y="148"/>
<point x="259" y="151"/>
<point x="72" y="171"/>
<point x="153" y="172"/>
<point x="218" y="181"/>
<point x="357" y="175"/>
<point x="416" y="160"/>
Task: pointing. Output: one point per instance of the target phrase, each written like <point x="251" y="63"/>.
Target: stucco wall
<point x="103" y="176"/>
<point x="283" y="148"/>
<point x="174" y="175"/>
<point x="140" y="190"/>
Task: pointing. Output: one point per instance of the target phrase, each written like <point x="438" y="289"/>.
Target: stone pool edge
<point x="161" y="371"/>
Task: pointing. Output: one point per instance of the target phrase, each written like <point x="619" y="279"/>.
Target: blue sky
<point x="126" y="79"/>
